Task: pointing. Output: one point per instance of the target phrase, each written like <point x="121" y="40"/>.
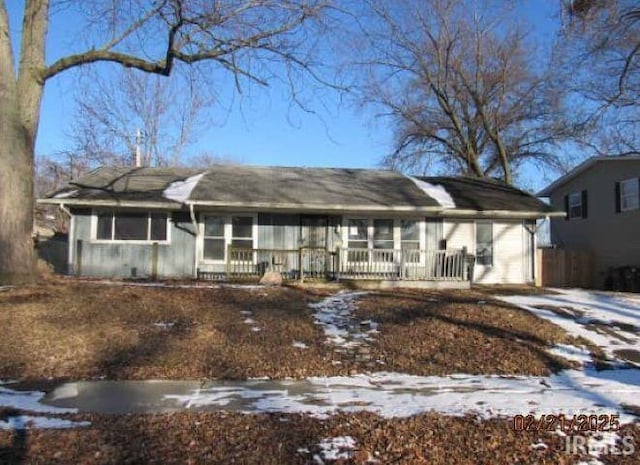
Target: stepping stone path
<point x="349" y="337"/>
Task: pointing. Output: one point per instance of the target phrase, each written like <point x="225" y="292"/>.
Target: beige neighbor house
<point x="348" y="224"/>
<point x="601" y="199"/>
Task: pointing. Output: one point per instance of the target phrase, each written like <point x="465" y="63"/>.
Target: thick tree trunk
<point x="20" y="98"/>
<point x="17" y="262"/>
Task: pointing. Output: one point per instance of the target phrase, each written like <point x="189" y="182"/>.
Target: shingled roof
<point x="293" y="188"/>
<point x="484" y="195"/>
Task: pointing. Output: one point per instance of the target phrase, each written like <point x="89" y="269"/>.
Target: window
<point x="484" y="243"/>
<point x="222" y="231"/>
<point x="575" y="205"/>
<point x="242" y="231"/>
<point x="630" y="194"/>
<point x="131" y="226"/>
<point x="358" y="236"/>
<point x="214" y="242"/>
<point x="383" y="234"/>
<point x="410" y="240"/>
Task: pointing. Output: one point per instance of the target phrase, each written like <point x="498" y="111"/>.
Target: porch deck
<point x="393" y="265"/>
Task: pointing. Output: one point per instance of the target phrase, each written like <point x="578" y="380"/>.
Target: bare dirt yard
<point x="66" y="329"/>
<point x="70" y="329"/>
<point x="225" y="438"/>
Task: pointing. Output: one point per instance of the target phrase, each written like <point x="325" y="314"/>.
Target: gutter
<point x="71" y="239"/>
<point x="195" y="242"/>
<point x="109" y="203"/>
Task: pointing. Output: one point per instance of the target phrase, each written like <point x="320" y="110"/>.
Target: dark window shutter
<point x="617" y="197"/>
<point x="566" y="207"/>
<point x="585" y="210"/>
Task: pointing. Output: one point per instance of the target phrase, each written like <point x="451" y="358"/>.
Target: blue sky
<point x="263" y="130"/>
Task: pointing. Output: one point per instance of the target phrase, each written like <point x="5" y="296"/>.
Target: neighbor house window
<point x="131" y="226"/>
<point x="575" y="205"/>
<point x="629" y="194"/>
<point x="484" y="243"/>
<point x="220" y="232"/>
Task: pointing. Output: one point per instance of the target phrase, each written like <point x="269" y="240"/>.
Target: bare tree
<point x="600" y="45"/>
<point x="121" y="111"/>
<point x="462" y="87"/>
<point x="251" y="39"/>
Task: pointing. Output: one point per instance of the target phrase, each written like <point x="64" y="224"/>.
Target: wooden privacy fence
<point x="564" y="268"/>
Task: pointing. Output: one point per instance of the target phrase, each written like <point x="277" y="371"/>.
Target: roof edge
<point x="582" y="167"/>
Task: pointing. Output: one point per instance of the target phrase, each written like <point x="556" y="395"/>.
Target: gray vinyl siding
<point x="278" y="231"/>
<point x="175" y="259"/>
<point x="613" y="238"/>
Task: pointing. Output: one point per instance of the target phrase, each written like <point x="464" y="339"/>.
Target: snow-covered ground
<point x="610" y="321"/>
<point x="30" y="401"/>
<point x="335" y="316"/>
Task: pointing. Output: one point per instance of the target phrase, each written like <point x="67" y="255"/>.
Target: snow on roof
<point x="64" y="195"/>
<point x="180" y="191"/>
<point x="438" y="193"/>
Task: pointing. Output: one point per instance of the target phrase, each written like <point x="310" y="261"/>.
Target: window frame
<point x="98" y="211"/>
<point x="491" y="224"/>
<point x="228" y="234"/>
<point x="397" y="233"/>
<point x="634" y="195"/>
<point x="571" y="204"/>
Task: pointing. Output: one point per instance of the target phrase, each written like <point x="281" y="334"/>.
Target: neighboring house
<point x="601" y="199"/>
<point x="343" y="223"/>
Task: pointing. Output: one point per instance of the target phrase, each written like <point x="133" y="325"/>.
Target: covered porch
<point x="358" y="264"/>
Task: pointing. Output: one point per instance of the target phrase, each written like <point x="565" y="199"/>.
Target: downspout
<point x="70" y="239"/>
<point x="195" y="242"/>
<point x="534" y="247"/>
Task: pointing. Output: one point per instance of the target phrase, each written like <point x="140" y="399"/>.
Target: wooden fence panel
<point x="564" y="268"/>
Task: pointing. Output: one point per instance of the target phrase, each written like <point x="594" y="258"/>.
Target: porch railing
<point x="348" y="263"/>
<point x="304" y="263"/>
<point x="407" y="264"/>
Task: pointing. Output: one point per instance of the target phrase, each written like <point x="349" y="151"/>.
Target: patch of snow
<point x="572" y="392"/>
<point x="30" y="401"/>
<point x="32" y="422"/>
<point x="573" y="353"/>
<point x="180" y="191"/>
<point x="64" y="195"/>
<point x="5" y="288"/>
<point x="256" y="329"/>
<point x="337" y="448"/>
<point x="300" y="345"/>
<point x="249" y="321"/>
<point x="619" y="312"/>
<point x="539" y="446"/>
<point x="335" y="315"/>
<point x="164" y="325"/>
<point x="246" y="312"/>
<point x="27" y="400"/>
<point x="438" y="193"/>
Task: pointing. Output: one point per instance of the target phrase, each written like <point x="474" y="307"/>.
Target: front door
<point x="313" y="235"/>
<point x="313" y="231"/>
